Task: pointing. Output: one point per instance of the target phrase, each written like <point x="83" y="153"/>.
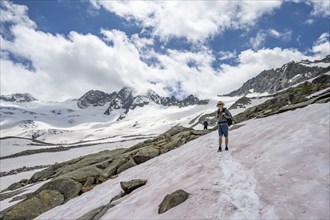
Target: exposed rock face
<point x="273" y="80"/>
<point x="94" y="98"/>
<point x="241" y="103"/>
<point x="172" y="200"/>
<point x="18" y="97"/>
<point x="31" y="208"/>
<point x="131" y="185"/>
<point x="126" y="101"/>
<point x="290" y="99"/>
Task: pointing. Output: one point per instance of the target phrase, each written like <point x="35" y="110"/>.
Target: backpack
<point x="229" y="120"/>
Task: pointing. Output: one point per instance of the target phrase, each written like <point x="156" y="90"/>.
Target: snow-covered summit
<point x="18" y="97"/>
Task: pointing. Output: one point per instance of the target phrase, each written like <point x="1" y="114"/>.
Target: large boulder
<point x="68" y="187"/>
<point x="131" y="185"/>
<point x="172" y="200"/>
<point x="130" y="163"/>
<point x="81" y="175"/>
<point x="42" y="175"/>
<point x="111" y="170"/>
<point x="38" y="204"/>
<point x="145" y="154"/>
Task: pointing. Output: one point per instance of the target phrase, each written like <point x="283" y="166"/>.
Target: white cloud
<point x="321" y="7"/>
<point x="15" y="14"/>
<point x="68" y="66"/>
<point x="322" y="46"/>
<point x="259" y="40"/>
<point x="193" y="20"/>
<point x="226" y="55"/>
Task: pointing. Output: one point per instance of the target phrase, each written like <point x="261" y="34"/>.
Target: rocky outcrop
<point x="80" y="175"/>
<point x="240" y="103"/>
<point x="290" y="99"/>
<point x="69" y="188"/>
<point x="128" y="187"/>
<point x="94" y="98"/>
<point x="172" y="200"/>
<point x="131" y="185"/>
<point x="290" y="74"/>
<point x="32" y="207"/>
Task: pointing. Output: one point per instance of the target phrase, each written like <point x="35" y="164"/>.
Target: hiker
<point x="222" y="115"/>
<point x="205" y="125"/>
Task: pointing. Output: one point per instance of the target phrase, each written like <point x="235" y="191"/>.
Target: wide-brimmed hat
<point x="220" y="103"/>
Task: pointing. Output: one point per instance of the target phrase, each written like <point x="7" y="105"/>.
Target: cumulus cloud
<point x="68" y="66"/>
<point x="192" y="20"/>
<point x="15" y="14"/>
<point x="321" y="47"/>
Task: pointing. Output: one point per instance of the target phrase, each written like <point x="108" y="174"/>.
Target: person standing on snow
<point x="205" y="125"/>
<point x="222" y="115"/>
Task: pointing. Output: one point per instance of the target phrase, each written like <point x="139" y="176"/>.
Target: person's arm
<point x="227" y="114"/>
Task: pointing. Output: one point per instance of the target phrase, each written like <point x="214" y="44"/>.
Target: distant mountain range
<point x="124" y="99"/>
<point x="274" y="80"/>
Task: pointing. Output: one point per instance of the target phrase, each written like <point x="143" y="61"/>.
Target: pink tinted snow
<point x="277" y="168"/>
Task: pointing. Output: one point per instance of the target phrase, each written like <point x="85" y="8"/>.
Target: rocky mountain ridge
<point x="274" y="80"/>
<point x="18" y="97"/>
<point x="124" y="99"/>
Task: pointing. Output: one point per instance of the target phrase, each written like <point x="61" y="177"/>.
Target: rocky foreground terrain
<point x="72" y="178"/>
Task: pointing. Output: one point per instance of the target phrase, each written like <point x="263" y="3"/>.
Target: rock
<point x="15" y="186"/>
<point x="111" y="170"/>
<point x="22" y="197"/>
<point x="91" y="215"/>
<point x="131" y="185"/>
<point x="68" y="187"/>
<point x="103" y="165"/>
<point x="81" y="175"/>
<point x="8" y="195"/>
<point x="89" y="184"/>
<point x="92" y="159"/>
<point x="172" y="200"/>
<point x="290" y="74"/>
<point x="43" y="174"/>
<point x="130" y="163"/>
<point x="38" y="204"/>
<point x="145" y="154"/>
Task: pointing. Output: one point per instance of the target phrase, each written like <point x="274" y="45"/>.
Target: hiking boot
<point x="226" y="148"/>
<point x="219" y="150"/>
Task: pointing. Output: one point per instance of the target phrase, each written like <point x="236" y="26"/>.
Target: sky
<point x="58" y="50"/>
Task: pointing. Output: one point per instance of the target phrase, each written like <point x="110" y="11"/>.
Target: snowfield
<point x="277" y="168"/>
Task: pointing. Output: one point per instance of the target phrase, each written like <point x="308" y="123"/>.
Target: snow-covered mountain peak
<point x="125" y="93"/>
<point x="18" y="97"/>
<point x="290" y="74"/>
<point x="93" y="98"/>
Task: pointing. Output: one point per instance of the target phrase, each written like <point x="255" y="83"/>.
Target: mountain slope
<point x="271" y="81"/>
<point x="266" y="174"/>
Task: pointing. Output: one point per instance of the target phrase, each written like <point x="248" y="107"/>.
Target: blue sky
<point x="57" y="50"/>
